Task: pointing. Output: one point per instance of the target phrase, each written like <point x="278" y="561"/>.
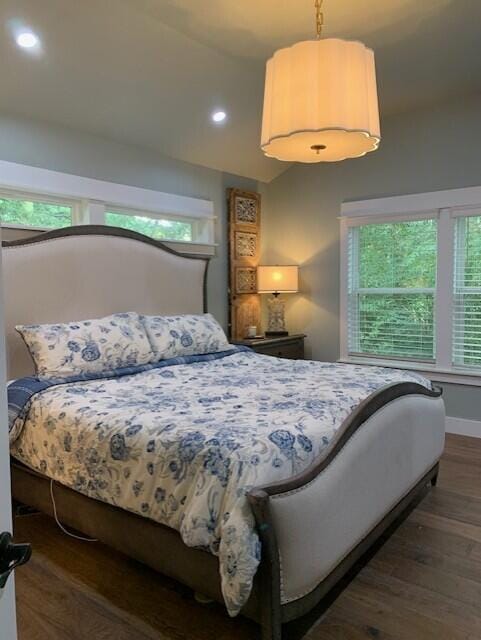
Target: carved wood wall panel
<point x="244" y="246"/>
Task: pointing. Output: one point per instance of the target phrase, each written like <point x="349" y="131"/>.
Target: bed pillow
<point x="187" y="335"/>
<point x="88" y="346"/>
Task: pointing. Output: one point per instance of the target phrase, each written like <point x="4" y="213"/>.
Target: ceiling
<point x="150" y="72"/>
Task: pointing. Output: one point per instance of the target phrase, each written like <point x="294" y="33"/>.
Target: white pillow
<point x="187" y="335"/>
<point x="88" y="346"/>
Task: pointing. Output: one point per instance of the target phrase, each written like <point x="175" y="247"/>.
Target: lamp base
<point x="276" y="334"/>
<point x="276" y="324"/>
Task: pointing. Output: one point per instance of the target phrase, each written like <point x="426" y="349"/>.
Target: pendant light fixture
<point x="320" y="100"/>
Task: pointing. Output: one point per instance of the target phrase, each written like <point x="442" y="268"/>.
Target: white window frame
<point x="386" y="290"/>
<point x="197" y="225"/>
<point x="10" y="194"/>
<point x="446" y="206"/>
<point x="89" y="199"/>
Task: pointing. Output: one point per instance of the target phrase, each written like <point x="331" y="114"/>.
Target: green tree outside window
<point x="34" y="214"/>
<point x="153" y="227"/>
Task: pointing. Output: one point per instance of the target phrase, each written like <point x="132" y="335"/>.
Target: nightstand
<point x="291" y="347"/>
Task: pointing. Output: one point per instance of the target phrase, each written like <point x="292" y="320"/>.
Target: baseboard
<point x="463" y="427"/>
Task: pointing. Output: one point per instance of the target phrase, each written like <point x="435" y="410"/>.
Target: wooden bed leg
<point x="269" y="568"/>
<point x="271" y="627"/>
<point x="268" y="633"/>
<point x="434" y="479"/>
<point x="271" y="624"/>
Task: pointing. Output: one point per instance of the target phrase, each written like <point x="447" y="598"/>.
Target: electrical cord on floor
<point x="62" y="528"/>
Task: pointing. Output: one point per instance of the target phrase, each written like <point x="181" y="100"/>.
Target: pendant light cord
<point x="319" y="17"/>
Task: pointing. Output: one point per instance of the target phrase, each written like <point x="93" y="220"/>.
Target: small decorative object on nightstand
<point x="291" y="347"/>
<point x="276" y="280"/>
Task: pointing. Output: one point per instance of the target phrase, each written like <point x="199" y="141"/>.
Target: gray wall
<point x="60" y="149"/>
<point x="436" y="149"/>
<point x="439" y="148"/>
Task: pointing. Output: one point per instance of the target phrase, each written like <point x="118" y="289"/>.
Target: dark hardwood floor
<point x="423" y="584"/>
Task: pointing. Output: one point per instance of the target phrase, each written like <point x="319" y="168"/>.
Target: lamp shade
<point x="320" y="102"/>
<point x="278" y="279"/>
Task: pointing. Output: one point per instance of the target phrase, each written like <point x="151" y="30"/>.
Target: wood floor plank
<point x="426" y="601"/>
<point x="424" y="555"/>
<point x="471" y="447"/>
<point x="450" y="543"/>
<point x="456" y="587"/>
<point x="446" y="525"/>
<point x="453" y="505"/>
<point x="139" y="595"/>
<point x="423" y="584"/>
<point x="339" y="629"/>
<point x="385" y="619"/>
<point x="72" y="613"/>
<point x="465" y="474"/>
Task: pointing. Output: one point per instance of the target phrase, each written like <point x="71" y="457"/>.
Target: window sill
<point x="433" y="373"/>
<point x="27" y="227"/>
<point x="193" y="248"/>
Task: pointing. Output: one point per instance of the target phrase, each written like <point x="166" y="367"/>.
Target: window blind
<point x="467" y="293"/>
<point x="391" y="289"/>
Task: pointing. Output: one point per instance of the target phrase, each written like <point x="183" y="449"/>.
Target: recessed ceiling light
<point x="27" y="40"/>
<point x="219" y="116"/>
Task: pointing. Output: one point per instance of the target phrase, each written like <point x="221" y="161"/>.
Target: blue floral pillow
<point x="188" y="335"/>
<point x="89" y="346"/>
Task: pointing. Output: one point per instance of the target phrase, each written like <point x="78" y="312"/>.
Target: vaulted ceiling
<point x="150" y="72"/>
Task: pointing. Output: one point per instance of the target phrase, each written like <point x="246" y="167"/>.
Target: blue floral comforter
<point x="183" y="442"/>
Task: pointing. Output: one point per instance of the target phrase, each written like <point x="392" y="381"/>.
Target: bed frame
<point x="315" y="528"/>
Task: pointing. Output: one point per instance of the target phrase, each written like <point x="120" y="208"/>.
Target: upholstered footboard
<point x="314" y="527"/>
<point x="315" y="523"/>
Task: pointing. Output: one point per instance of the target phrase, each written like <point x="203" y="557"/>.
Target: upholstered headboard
<point x="88" y="272"/>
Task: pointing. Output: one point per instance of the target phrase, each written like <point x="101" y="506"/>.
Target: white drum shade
<point x="278" y="279"/>
<point x="320" y="102"/>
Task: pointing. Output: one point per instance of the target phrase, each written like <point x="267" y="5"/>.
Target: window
<point x="392" y="278"/>
<point x="40" y="199"/>
<point x="153" y="226"/>
<point x="411" y="283"/>
<point x="34" y="213"/>
<point x="467" y="293"/>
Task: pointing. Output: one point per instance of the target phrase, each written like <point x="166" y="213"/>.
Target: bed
<point x="326" y="456"/>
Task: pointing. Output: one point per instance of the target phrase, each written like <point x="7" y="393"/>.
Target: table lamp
<point x="276" y="280"/>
